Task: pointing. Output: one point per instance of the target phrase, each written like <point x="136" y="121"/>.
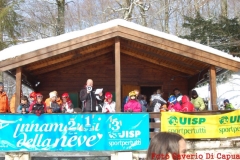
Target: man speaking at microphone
<point x="89" y="99"/>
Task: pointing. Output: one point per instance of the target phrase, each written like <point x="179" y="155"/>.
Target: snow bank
<point x="228" y="90"/>
<point x="21" y="49"/>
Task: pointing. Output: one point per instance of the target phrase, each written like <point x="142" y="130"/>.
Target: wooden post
<point x="117" y="75"/>
<point x="213" y="88"/>
<point x="18" y="86"/>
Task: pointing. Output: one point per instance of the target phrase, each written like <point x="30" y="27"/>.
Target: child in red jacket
<point x="39" y="106"/>
<point x="187" y="106"/>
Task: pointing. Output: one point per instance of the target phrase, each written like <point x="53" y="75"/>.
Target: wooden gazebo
<point x="115" y="54"/>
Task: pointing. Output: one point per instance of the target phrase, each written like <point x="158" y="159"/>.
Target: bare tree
<point x="224" y="8"/>
<point x="60" y="28"/>
<point x="166" y="15"/>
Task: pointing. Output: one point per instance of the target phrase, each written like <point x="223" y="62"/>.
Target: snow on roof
<point x="21" y="49"/>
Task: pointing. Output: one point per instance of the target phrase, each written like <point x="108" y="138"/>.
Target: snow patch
<point x="229" y="90"/>
<point x="21" y="49"/>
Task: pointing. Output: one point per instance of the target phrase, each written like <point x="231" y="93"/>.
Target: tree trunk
<point x="128" y="13"/>
<point x="166" y="16"/>
<point x="61" y="17"/>
<point x="143" y="16"/>
<point x="224" y="8"/>
<point x="196" y="6"/>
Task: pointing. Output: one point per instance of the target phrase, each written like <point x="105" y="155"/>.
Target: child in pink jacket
<point x="174" y="106"/>
<point x="132" y="105"/>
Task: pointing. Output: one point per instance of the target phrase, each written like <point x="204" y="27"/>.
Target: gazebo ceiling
<point x="138" y="50"/>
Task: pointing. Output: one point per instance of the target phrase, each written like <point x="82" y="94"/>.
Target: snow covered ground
<point x="229" y="90"/>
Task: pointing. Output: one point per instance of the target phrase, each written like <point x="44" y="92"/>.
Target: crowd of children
<point x="55" y="104"/>
<point x="175" y="103"/>
<point x="134" y="102"/>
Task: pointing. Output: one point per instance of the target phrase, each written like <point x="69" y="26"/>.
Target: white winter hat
<point x="52" y="94"/>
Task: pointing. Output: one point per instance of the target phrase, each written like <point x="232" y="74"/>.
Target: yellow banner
<point x="202" y="126"/>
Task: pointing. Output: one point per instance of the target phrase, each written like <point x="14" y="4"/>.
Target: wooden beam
<point x="158" y="63"/>
<point x="50" y="62"/>
<point x="18" y="87"/>
<point x="193" y="80"/>
<point x="154" y="53"/>
<point x="27" y="78"/>
<point x="213" y="88"/>
<point x="69" y="55"/>
<point x="73" y="61"/>
<point x="117" y="74"/>
<point x="178" y="48"/>
<point x="168" y="71"/>
<point x="57" y="49"/>
<point x="95" y="47"/>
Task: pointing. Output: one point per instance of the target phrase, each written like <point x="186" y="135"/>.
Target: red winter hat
<point x="65" y="95"/>
<point x="33" y="95"/>
<point x="108" y="95"/>
<point x="39" y="95"/>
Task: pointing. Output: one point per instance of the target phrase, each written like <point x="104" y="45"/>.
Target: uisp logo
<point x="223" y="120"/>
<point x="173" y="120"/>
<point x="231" y="119"/>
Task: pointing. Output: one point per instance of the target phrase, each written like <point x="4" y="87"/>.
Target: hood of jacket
<point x="185" y="99"/>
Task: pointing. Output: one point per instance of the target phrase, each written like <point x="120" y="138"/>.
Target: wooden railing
<point x="154" y="125"/>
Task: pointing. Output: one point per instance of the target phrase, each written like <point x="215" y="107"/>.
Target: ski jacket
<point x="3" y="102"/>
<point x="187" y="106"/>
<point x="132" y="106"/>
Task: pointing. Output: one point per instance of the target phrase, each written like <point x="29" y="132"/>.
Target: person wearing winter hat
<point x="197" y="101"/>
<point x="109" y="105"/>
<point x="39" y="106"/>
<point x="58" y="99"/>
<point x="174" y="105"/>
<point x="133" y="104"/>
<point x="228" y="105"/>
<point x="178" y="95"/>
<point x="187" y="106"/>
<point x="53" y="106"/>
<point x="3" y="100"/>
<point x="67" y="105"/>
<point x="33" y="97"/>
<point x="24" y="105"/>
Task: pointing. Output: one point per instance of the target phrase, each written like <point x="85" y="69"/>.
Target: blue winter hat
<point x="226" y="101"/>
<point x="172" y="99"/>
<point x="1" y="84"/>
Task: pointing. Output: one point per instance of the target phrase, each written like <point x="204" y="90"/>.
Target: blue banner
<point x="74" y="132"/>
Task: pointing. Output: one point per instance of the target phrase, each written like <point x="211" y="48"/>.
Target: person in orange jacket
<point x="48" y="100"/>
<point x="3" y="100"/>
<point x="12" y="103"/>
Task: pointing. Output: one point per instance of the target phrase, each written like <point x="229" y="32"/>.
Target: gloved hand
<point x="38" y="112"/>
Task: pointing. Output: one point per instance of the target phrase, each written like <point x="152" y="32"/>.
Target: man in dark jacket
<point x="89" y="98"/>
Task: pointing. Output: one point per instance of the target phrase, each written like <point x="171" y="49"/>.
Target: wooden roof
<point x="183" y="59"/>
